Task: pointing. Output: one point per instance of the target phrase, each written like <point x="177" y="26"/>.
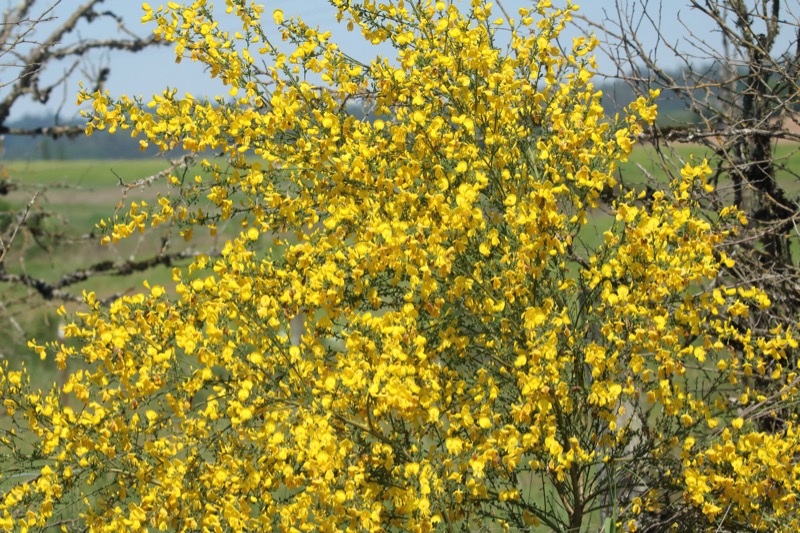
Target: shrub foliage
<point x="416" y="327"/>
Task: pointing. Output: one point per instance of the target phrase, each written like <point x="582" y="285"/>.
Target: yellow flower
<point x="415" y="323"/>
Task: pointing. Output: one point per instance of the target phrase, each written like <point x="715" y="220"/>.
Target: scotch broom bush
<point x="409" y="332"/>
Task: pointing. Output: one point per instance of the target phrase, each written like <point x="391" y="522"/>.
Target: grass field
<point x="645" y="164"/>
<point x="75" y="195"/>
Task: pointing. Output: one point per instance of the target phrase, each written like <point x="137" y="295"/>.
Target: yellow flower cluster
<point x="413" y="330"/>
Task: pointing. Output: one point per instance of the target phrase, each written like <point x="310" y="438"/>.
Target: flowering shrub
<point x="413" y="329"/>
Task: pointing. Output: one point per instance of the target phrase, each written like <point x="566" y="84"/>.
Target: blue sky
<point x="152" y="71"/>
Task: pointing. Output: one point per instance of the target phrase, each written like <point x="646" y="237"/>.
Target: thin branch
<point x="20" y="222"/>
<point x="55" y="132"/>
<point x="686" y="134"/>
<point x="54" y="290"/>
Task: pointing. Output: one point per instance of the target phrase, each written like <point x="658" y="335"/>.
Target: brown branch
<point x="55" y="132"/>
<point x="54" y="290"/>
<point x="4" y="247"/>
<point x="184" y="161"/>
<point x="503" y="9"/>
<point x="133" y="45"/>
<point x="686" y="134"/>
<point x="49" y="50"/>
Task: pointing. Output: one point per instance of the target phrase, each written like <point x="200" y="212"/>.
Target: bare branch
<point x="49" y="131"/>
<point x="687" y="134"/>
<point x="53" y="48"/>
<point x="4" y="247"/>
<point x="55" y="290"/>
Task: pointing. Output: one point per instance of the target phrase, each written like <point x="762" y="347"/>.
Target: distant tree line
<point x="617" y="93"/>
<point x="45" y="147"/>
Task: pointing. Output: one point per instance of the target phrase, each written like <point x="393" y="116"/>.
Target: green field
<point x="645" y="164"/>
<point x="71" y="198"/>
<point x="75" y="195"/>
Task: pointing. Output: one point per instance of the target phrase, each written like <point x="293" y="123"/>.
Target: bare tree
<point x="34" y="40"/>
<point x="45" y="47"/>
<point x="737" y="76"/>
